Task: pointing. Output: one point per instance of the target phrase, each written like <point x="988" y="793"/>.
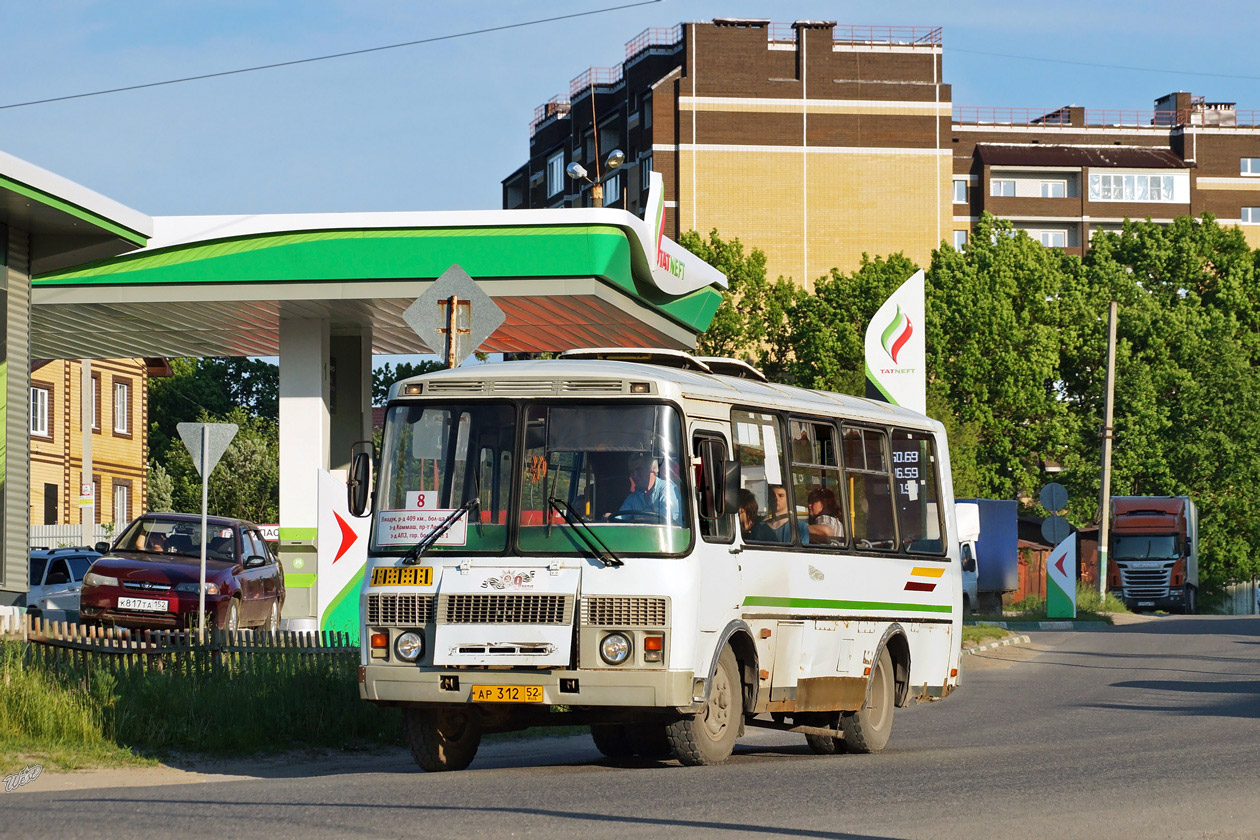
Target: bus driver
<point x="650" y="494"/>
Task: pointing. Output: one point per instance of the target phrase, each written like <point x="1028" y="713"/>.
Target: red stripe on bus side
<point x="915" y="586"/>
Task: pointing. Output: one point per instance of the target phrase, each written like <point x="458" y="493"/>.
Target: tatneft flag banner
<point x="896" y="353"/>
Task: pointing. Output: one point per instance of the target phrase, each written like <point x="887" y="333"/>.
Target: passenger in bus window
<point x="777" y="526"/>
<point x="824" y="517"/>
<point x="651" y="499"/>
<point x="749" y="517"/>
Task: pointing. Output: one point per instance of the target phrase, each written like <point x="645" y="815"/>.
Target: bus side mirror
<point x="359" y="483"/>
<point x="968" y="558"/>
<point x="732" y="481"/>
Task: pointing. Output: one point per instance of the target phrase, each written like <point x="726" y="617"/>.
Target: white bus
<point x="666" y="548"/>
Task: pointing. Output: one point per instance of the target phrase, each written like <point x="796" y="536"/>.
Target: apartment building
<point x="120" y="452"/>
<point x="817" y="143"/>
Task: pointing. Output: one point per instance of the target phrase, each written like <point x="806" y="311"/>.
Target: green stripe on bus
<point x="825" y="604"/>
<point x="298" y="581"/>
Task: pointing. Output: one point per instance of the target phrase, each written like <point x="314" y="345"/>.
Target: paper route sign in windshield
<point x="410" y="525"/>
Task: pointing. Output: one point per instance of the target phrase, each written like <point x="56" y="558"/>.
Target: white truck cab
<point x="968" y="514"/>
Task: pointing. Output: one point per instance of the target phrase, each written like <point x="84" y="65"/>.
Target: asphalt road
<point x="1148" y="730"/>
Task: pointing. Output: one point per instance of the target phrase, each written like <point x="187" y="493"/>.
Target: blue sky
<point x="437" y="126"/>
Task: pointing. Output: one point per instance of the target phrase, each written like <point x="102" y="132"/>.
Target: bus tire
<point x="867" y="730"/>
<point x="824" y="745"/>
<point x="612" y="740"/>
<point x="708" y="737"/>
<point x="441" y="739"/>
<point x="649" y="740"/>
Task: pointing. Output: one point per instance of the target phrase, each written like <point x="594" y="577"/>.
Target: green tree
<point x="212" y="385"/>
<point x="385" y="376"/>
<point x="246" y="481"/>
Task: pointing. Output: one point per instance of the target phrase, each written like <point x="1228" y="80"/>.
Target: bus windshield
<point x="616" y="467"/>
<point x="437" y="457"/>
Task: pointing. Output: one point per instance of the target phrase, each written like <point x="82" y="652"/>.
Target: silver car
<point x="56" y="579"/>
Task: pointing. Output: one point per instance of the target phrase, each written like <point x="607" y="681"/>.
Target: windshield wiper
<point x="602" y="552"/>
<point x="413" y="555"/>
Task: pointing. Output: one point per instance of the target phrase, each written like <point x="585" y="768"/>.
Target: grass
<point x="980" y="633"/>
<point x="1090" y="606"/>
<point x="69" y="717"/>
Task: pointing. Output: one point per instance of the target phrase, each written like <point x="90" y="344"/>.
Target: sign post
<point x="206" y="443"/>
<point x="1061" y="565"/>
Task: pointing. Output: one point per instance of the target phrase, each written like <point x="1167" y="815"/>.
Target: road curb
<point x="1073" y="624"/>
<point x="1010" y="640"/>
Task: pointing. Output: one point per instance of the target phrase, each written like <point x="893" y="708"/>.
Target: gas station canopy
<point x="221" y="285"/>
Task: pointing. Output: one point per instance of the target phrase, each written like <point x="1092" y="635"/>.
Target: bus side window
<point x="758" y="438"/>
<point x="869" y="487"/>
<point x="915" y="491"/>
<point x="721" y="529"/>
<point x="816" y="483"/>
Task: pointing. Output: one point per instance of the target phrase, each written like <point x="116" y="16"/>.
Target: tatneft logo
<point x="895" y="336"/>
<point x="673" y="266"/>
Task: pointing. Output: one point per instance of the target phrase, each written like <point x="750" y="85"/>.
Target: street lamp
<point x="578" y="172"/>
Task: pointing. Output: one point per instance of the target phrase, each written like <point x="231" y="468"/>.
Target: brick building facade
<point x="816" y="143"/>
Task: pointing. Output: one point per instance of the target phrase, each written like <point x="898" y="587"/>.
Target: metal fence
<point x="54" y="536"/>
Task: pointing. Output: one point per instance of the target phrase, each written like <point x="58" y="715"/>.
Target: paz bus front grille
<point x="505" y="609"/>
<point x="399" y="610"/>
<point x="615" y="611"/>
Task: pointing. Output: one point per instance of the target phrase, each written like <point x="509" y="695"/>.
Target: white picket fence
<point x="54" y="536"/>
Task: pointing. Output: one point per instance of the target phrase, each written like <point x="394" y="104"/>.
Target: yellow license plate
<point x="507" y="694"/>
<point x="402" y="576"/>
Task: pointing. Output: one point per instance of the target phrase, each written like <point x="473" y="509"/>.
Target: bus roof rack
<point x="643" y="355"/>
<point x="724" y="366"/>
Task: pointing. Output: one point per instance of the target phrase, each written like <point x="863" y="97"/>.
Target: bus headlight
<point x="409" y="646"/>
<point x="615" y="648"/>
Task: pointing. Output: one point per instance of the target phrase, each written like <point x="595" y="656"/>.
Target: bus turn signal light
<point x="653" y="648"/>
<point x="380" y="645"/>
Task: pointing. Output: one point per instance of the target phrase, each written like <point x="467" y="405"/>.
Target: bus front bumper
<point x="642" y="689"/>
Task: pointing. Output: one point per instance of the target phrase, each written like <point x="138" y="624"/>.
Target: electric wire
<point x="348" y="53"/>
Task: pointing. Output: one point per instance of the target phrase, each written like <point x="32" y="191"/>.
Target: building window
<point x="1251" y="215"/>
<point x="1250" y="166"/>
<point x="122" y="504"/>
<point x="960" y="190"/>
<point x="96" y="402"/>
<point x="1126" y="187"/>
<point x="645" y="173"/>
<point x="39" y="412"/>
<point x="960" y="239"/>
<point x="1002" y="187"/>
<point x="122" y="407"/>
<point x="645" y="107"/>
<point x="555" y="174"/>
<point x="1053" y="189"/>
<point x="1051" y="238"/>
<point x="612" y="191"/>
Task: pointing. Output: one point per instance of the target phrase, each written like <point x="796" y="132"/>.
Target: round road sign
<point x="1054" y="497"/>
<point x="1055" y="528"/>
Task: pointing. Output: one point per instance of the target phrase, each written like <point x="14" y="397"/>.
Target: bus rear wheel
<point x="867" y="730"/>
<point x="441" y="739"/>
<point x="708" y="737"/>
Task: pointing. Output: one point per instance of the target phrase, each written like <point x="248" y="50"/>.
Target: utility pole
<point x="1104" y="526"/>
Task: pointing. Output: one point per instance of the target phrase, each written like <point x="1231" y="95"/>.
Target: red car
<point x="150" y="577"/>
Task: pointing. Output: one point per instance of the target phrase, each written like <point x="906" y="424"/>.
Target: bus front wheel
<point x="441" y="739"/>
<point x="867" y="730"/>
<point x="708" y="737"/>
